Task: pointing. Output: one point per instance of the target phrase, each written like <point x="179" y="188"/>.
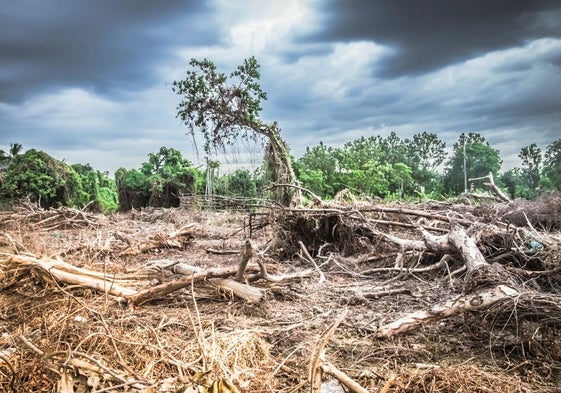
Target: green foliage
<point x="531" y="157"/>
<point x="95" y="189"/>
<point x="38" y="176"/>
<point x="517" y="185"/>
<point x="159" y="182"/>
<point x="481" y="159"/>
<point x="428" y="151"/>
<point x="374" y="166"/>
<point x="240" y="183"/>
<point x="224" y="108"/>
<point x="552" y="164"/>
<point x="52" y="183"/>
<point x="6" y="157"/>
<point x="317" y="170"/>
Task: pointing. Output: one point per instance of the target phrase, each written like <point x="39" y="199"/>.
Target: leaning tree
<point x="226" y="109"/>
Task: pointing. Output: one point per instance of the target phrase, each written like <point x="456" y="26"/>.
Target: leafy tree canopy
<point x="481" y="159"/>
<point x="52" y="183"/>
<point x="159" y="182"/>
<point x="226" y="108"/>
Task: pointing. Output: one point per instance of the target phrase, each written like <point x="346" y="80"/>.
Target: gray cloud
<point x="429" y="34"/>
<point x="105" y="46"/>
<point x="87" y="80"/>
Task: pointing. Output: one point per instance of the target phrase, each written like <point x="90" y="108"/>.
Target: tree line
<point x="393" y="167"/>
<point x="370" y="167"/>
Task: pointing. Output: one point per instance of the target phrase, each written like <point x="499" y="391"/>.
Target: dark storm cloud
<point x="429" y="34"/>
<point x="103" y="45"/>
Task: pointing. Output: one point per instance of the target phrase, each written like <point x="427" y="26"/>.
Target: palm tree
<point x="15" y="149"/>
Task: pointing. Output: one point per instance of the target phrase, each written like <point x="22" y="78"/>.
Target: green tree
<point x="226" y="108"/>
<point x="481" y="159"/>
<point x="6" y="157"/>
<point x="516" y="184"/>
<point x="317" y="170"/>
<point x="159" y="182"/>
<point x="428" y="150"/>
<point x="98" y="191"/>
<point x="42" y="179"/>
<point x="240" y="183"/>
<point x="552" y="164"/>
<point x="396" y="150"/>
<point x="531" y="157"/>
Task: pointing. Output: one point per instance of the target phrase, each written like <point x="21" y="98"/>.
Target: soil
<point x="58" y="337"/>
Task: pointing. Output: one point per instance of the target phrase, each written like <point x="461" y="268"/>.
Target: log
<point x="466" y="247"/>
<point x="478" y="300"/>
<point x="192" y="275"/>
<point x="246" y="292"/>
<point x="475" y="299"/>
<point x="68" y="274"/>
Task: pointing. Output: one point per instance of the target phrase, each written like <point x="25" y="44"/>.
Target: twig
<point x="329" y="368"/>
<point x="306" y="256"/>
<point x="314" y="376"/>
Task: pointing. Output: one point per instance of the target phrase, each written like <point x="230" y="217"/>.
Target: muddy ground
<point x="58" y="337"/>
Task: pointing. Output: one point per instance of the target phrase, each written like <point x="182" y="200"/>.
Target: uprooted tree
<point x="226" y="108"/>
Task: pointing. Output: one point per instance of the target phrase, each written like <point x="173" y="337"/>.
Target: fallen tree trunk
<point x="68" y="274"/>
<point x="194" y="275"/>
<point x="479" y="300"/>
<point x="65" y="273"/>
<point x="246" y="292"/>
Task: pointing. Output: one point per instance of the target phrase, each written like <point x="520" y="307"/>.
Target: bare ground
<point x="57" y="337"/>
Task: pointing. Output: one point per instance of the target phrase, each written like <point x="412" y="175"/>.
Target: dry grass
<point x="164" y="346"/>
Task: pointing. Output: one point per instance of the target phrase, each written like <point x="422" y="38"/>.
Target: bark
<point x="243" y="291"/>
<point x="476" y="301"/>
<point x="476" y="298"/>
<point x="194" y="275"/>
<point x="247" y="254"/>
<point x="176" y="239"/>
<point x="68" y="274"/>
<point x="492" y="187"/>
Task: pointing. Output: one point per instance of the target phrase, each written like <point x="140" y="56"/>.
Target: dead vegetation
<point x="345" y="296"/>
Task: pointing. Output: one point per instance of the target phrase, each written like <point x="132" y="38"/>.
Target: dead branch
<point x="314" y="375"/>
<point x="265" y="275"/>
<point x="68" y="274"/>
<point x="476" y="301"/>
<point x="90" y="364"/>
<point x="492" y="187"/>
<point x="354" y="386"/>
<point x="246" y="254"/>
<point x="196" y="276"/>
<point x="306" y="256"/>
<point x="176" y="239"/>
<point x="243" y="291"/>
<point x="440" y="264"/>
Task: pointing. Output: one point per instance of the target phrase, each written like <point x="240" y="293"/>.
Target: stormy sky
<point x="90" y="81"/>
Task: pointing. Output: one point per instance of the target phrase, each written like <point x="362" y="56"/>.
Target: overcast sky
<point x="89" y="81"/>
